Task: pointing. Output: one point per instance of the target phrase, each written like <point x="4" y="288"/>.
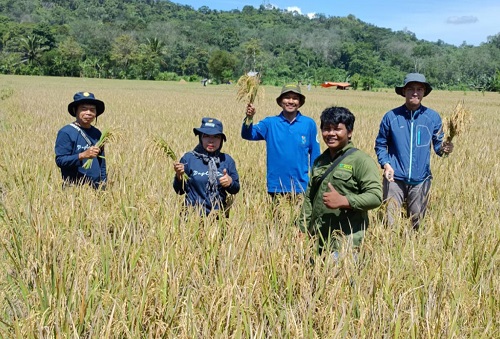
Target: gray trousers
<point x="415" y="196"/>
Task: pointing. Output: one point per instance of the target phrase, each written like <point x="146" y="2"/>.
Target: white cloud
<point x="294" y="9"/>
<point x="460" y="20"/>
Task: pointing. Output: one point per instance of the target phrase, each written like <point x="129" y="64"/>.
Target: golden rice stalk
<point x="165" y="147"/>
<point x="106" y="136"/>
<point x="248" y="89"/>
<point x="456" y="124"/>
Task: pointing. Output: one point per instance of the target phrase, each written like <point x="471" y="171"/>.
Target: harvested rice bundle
<point x="165" y="147"/>
<point x="106" y="136"/>
<point x="248" y="89"/>
<point x="455" y="125"/>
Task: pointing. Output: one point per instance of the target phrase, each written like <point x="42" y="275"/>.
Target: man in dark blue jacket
<point x="75" y="143"/>
<point x="403" y="146"/>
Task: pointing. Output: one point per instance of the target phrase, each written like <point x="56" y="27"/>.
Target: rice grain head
<point x="163" y="145"/>
<point x="248" y="91"/>
<point x="455" y="124"/>
<point x="106" y="136"/>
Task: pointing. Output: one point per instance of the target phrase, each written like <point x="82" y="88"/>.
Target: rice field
<point x="122" y="264"/>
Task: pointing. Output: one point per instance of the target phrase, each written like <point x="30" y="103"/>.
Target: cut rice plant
<point x="106" y="136"/>
<point x="248" y="90"/>
<point x="165" y="147"/>
<point x="455" y="125"/>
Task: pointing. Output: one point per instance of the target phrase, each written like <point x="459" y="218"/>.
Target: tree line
<point x="162" y="40"/>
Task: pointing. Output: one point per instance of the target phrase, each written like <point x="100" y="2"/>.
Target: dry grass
<point x="457" y="123"/>
<point x="249" y="89"/>
<point x="123" y="264"/>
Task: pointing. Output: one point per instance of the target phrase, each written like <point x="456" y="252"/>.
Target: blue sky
<point x="451" y="21"/>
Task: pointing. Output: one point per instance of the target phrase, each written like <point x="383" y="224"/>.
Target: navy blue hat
<point x="85" y="98"/>
<point x="210" y="126"/>
<point x="414" y="77"/>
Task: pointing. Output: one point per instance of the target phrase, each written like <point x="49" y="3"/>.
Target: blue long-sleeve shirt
<point x="404" y="141"/>
<point x="291" y="149"/>
<point x="70" y="143"/>
<point x="195" y="187"/>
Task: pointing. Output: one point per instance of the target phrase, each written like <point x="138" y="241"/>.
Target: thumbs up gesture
<point x="333" y="199"/>
<point x="225" y="180"/>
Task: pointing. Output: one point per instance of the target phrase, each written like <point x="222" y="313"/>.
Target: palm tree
<point x="32" y="47"/>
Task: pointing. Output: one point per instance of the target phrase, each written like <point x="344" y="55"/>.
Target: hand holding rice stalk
<point x="165" y="147"/>
<point x="455" y="125"/>
<point x="248" y="89"/>
<point x="106" y="136"/>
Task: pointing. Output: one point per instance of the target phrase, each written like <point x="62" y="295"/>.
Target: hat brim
<point x="302" y="99"/>
<point x="99" y="106"/>
<point x="399" y="89"/>
<point x="207" y="131"/>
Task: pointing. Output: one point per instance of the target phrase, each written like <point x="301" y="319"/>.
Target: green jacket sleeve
<point x="369" y="184"/>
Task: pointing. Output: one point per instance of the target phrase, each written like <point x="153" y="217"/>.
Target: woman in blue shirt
<point x="212" y="175"/>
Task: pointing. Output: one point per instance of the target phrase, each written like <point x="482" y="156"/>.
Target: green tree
<point x="221" y="66"/>
<point x="124" y="53"/>
<point x="32" y="47"/>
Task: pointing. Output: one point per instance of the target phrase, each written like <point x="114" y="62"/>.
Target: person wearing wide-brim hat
<point x="403" y="147"/>
<point x="75" y="143"/>
<point x="206" y="175"/>
<point x="291" y="142"/>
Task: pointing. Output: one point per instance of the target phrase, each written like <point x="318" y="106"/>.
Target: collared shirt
<point x="291" y="149"/>
<point x="357" y="178"/>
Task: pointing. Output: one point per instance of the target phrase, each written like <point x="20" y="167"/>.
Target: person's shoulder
<point x="323" y="158"/>
<point x="306" y="119"/>
<point x="67" y="129"/>
<point x="361" y="154"/>
<point x="301" y="115"/>
<point x="364" y="158"/>
<point x="429" y="110"/>
<point x="187" y="155"/>
<point x="396" y="110"/>
<point x="94" y="129"/>
<point x="271" y="118"/>
<point x="226" y="157"/>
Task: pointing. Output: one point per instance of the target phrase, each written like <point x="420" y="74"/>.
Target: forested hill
<point x="154" y="39"/>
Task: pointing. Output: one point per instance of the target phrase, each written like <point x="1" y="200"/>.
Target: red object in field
<point x="339" y="85"/>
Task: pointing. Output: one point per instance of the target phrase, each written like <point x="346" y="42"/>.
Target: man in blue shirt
<point x="291" y="143"/>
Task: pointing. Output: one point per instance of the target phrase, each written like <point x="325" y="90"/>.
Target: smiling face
<point x="414" y="93"/>
<point x="211" y="143"/>
<point x="290" y="103"/>
<point x="85" y="114"/>
<point x="335" y="136"/>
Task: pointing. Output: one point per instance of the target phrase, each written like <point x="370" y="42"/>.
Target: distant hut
<point x="338" y="85"/>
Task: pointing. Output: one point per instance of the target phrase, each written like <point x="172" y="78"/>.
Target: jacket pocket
<point x="342" y="175"/>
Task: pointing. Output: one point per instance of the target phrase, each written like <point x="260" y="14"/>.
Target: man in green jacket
<point x="338" y="204"/>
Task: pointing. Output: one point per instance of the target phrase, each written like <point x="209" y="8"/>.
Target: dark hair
<point x="337" y="115"/>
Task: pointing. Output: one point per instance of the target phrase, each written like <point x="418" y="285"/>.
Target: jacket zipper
<point x="411" y="144"/>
